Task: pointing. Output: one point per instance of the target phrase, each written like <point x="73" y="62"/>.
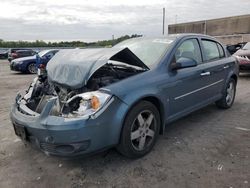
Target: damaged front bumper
<point x="67" y="137"/>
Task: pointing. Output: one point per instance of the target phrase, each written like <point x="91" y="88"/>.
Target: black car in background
<point x="31" y="63"/>
<point x="3" y="54"/>
<point x="15" y="53"/>
<point x="235" y="47"/>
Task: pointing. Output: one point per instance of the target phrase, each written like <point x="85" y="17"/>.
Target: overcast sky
<point x="91" y="20"/>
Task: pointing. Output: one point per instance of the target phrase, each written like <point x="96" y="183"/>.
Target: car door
<point x="215" y="67"/>
<point x="187" y="90"/>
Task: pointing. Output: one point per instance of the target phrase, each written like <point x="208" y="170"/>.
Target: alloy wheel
<point x="230" y="93"/>
<point x="143" y="130"/>
<point x="32" y="68"/>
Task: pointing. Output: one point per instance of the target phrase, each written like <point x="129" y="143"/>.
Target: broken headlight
<point x="85" y="104"/>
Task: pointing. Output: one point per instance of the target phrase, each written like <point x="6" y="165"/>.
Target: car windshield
<point x="149" y="51"/>
<point x="42" y="53"/>
<point x="247" y="46"/>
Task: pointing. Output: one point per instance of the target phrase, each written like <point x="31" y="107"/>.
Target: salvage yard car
<point x="29" y="64"/>
<point x="94" y="99"/>
<point x="243" y="57"/>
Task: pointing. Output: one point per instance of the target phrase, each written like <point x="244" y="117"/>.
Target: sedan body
<point x="24" y="64"/>
<point x="30" y="64"/>
<point x="243" y="57"/>
<point x="124" y="96"/>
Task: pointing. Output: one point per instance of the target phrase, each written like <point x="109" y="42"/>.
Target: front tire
<point x="140" y="130"/>
<point x="228" y="97"/>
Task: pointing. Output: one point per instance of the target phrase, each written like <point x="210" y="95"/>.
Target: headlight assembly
<point x="85" y="104"/>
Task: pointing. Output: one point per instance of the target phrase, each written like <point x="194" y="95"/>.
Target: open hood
<point x="72" y="68"/>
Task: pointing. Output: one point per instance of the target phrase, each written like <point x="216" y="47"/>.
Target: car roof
<point x="49" y="50"/>
<point x="175" y="36"/>
<point x="182" y="35"/>
<point x="19" y="49"/>
<point x="26" y="50"/>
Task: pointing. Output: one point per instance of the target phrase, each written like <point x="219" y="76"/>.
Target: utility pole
<point x="113" y="40"/>
<point x="163" y="22"/>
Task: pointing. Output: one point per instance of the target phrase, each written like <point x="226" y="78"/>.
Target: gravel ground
<point x="209" y="148"/>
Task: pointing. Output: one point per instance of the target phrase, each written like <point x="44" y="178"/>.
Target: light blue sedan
<point x="123" y="97"/>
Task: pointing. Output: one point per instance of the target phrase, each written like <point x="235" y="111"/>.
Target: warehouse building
<point x="229" y="30"/>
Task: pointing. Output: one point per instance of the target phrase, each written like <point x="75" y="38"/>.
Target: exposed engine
<point x="42" y="89"/>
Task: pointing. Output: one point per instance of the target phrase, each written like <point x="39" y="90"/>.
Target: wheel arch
<point x="234" y="77"/>
<point x="28" y="63"/>
<point x="157" y="103"/>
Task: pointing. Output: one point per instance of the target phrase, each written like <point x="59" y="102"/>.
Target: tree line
<point x="41" y="43"/>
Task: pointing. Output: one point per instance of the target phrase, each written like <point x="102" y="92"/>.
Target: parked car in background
<point x="15" y="53"/>
<point x="123" y="96"/>
<point x="29" y="64"/>
<point x="235" y="47"/>
<point x="4" y="54"/>
<point x="243" y="57"/>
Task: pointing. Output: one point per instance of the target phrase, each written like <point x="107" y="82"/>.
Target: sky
<point x="92" y="20"/>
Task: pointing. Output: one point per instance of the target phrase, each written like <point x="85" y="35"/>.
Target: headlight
<point x="85" y="104"/>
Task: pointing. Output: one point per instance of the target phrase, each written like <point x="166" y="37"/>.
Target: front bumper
<point x="13" y="67"/>
<point x="71" y="137"/>
<point x="16" y="67"/>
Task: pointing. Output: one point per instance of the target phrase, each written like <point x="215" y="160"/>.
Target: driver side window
<point x="189" y="49"/>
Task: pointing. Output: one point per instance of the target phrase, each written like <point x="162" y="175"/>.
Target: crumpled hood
<point x="72" y="68"/>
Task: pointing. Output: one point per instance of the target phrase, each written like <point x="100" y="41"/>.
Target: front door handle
<point x="205" y="74"/>
<point x="226" y="67"/>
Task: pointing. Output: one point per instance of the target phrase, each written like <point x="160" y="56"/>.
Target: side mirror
<point x="183" y="62"/>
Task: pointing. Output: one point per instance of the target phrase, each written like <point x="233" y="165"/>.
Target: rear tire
<point x="140" y="130"/>
<point x="228" y="97"/>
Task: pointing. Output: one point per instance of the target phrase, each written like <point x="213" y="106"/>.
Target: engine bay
<point x="42" y="89"/>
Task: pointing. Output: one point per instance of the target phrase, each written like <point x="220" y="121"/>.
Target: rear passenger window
<point x="189" y="49"/>
<point x="211" y="50"/>
<point x="221" y="50"/>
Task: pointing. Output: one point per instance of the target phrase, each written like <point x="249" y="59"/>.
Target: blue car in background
<point x="31" y="63"/>
<point x="94" y="99"/>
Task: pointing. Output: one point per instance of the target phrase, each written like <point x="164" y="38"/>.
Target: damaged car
<point x="243" y="57"/>
<point x="94" y="99"/>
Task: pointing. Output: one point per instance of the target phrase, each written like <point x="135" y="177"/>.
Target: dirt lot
<point x="209" y="148"/>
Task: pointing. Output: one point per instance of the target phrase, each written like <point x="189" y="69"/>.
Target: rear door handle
<point x="226" y="67"/>
<point x="205" y="74"/>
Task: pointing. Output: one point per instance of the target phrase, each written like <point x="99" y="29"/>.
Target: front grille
<point x="245" y="57"/>
<point x="64" y="148"/>
<point x="51" y="148"/>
